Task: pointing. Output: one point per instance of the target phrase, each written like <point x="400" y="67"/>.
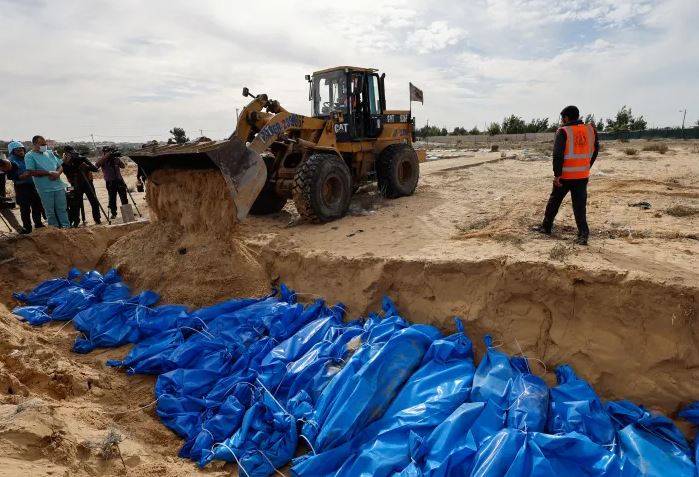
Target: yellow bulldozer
<point x="317" y="161"/>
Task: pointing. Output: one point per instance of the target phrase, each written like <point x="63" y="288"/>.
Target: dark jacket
<point x="76" y="170"/>
<point x="559" y="148"/>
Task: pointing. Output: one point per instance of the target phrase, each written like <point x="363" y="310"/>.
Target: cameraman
<point x="76" y="168"/>
<point x="111" y="164"/>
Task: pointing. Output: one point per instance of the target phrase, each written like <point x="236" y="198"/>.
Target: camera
<point x="7" y="203"/>
<point x="112" y="152"/>
<point x="78" y="157"/>
<point x="74" y="155"/>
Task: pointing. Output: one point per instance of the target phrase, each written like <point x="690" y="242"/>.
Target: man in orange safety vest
<point x="575" y="150"/>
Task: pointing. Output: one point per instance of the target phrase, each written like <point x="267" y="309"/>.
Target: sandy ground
<point x="480" y="205"/>
<point x="623" y="311"/>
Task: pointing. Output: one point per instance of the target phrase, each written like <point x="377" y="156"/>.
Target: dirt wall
<point x="631" y="337"/>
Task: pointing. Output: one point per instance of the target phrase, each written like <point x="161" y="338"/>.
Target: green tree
<point x="600" y="125"/>
<point x="494" y="128"/>
<point x="638" y="124"/>
<point x="621" y="121"/>
<point x="537" y="125"/>
<point x="459" y="131"/>
<point x="426" y="131"/>
<point x="625" y="121"/>
<point x="476" y="132"/>
<point x="443" y="132"/>
<point x="178" y="135"/>
<point x="513" y="125"/>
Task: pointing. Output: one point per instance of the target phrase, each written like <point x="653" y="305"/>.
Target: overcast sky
<point x="130" y="70"/>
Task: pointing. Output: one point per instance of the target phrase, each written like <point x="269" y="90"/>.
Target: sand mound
<point x="66" y="414"/>
<point x="198" y="201"/>
<point x="189" y="253"/>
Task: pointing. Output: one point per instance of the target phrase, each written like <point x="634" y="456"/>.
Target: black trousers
<point x="29" y="203"/>
<point x="113" y="188"/>
<point x="578" y="194"/>
<point x="84" y="188"/>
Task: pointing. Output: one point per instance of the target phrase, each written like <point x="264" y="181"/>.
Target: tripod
<point x="92" y="187"/>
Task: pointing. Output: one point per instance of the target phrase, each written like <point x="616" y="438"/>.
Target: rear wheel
<point x="322" y="188"/>
<point x="268" y="202"/>
<point x="397" y="170"/>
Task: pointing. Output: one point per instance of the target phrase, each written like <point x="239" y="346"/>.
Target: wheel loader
<point x="317" y="161"/>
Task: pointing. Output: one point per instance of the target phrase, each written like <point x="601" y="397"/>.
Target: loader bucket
<point x="243" y="169"/>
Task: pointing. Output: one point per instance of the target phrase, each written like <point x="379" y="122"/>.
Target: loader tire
<point x="322" y="188"/>
<point x="397" y="171"/>
<point x="268" y="202"/>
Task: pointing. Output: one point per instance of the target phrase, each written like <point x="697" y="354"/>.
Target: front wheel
<point x="397" y="170"/>
<point x="322" y="188"/>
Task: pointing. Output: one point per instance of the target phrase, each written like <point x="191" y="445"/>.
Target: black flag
<point x="416" y="94"/>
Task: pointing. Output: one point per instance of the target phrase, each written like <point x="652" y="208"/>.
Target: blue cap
<point x="14" y="145"/>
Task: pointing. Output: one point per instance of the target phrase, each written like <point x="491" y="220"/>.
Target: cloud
<point x="436" y="37"/>
<point x="136" y="69"/>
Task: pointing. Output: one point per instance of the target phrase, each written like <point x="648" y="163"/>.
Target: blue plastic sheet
<point x="377" y="397"/>
<point x="377" y="333"/>
<point x="35" y="315"/>
<point x="442" y="382"/>
<point x="45" y="290"/>
<point x="306" y="378"/>
<point x="651" y="443"/>
<point x="493" y="377"/>
<point x="147" y="356"/>
<point x="513" y="453"/>
<point x="368" y="393"/>
<point x="111" y="324"/>
<point x="691" y="413"/>
<point x="495" y="457"/>
<point x="449" y="449"/>
<point x="265" y="441"/>
<point x="65" y="304"/>
<point x="575" y="407"/>
<point x="529" y="399"/>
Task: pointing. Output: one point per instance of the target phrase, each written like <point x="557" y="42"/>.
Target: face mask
<point x="43" y="148"/>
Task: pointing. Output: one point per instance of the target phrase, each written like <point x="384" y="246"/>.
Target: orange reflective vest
<point x="580" y="145"/>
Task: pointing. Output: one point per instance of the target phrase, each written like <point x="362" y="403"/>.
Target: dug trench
<point x="67" y="414"/>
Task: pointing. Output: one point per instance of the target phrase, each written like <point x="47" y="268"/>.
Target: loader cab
<point x="357" y="93"/>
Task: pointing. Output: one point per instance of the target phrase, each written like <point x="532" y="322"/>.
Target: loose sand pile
<point x="189" y="252"/>
<point x="63" y="414"/>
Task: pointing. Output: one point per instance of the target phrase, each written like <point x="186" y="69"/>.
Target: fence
<point x="481" y="138"/>
<point x="676" y="133"/>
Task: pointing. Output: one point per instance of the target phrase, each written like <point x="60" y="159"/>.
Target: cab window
<point x="329" y="93"/>
<point x="374" y="100"/>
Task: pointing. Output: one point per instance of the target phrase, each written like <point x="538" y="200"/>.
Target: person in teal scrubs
<point x="45" y="169"/>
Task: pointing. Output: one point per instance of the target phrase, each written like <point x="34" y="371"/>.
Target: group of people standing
<point x="41" y="193"/>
